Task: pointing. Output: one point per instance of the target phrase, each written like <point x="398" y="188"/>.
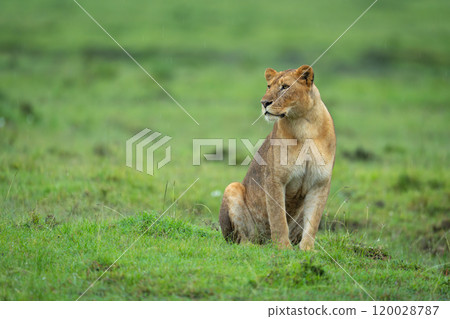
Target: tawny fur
<point x="284" y="203"/>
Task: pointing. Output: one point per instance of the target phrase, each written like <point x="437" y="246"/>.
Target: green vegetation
<point x="177" y="260"/>
<point x="70" y="98"/>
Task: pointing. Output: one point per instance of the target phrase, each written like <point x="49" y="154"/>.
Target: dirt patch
<point x="26" y="108"/>
<point x="337" y="225"/>
<point x="384" y="58"/>
<point x="97" y="266"/>
<point x="400" y="264"/>
<point x="359" y="154"/>
<point x="444" y="225"/>
<point x="407" y="182"/>
<point x="211" y="225"/>
<point x="297" y="274"/>
<point x="379" y="204"/>
<point x="101" y="150"/>
<point x="375" y="253"/>
<point x="390" y="149"/>
<point x="436" y="184"/>
<point x="422" y="204"/>
<point x="50" y="221"/>
<point x="435" y="240"/>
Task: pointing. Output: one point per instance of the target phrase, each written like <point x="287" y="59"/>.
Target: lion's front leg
<point x="314" y="203"/>
<point x="275" y="202"/>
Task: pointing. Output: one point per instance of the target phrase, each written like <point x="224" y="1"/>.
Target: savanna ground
<point x="70" y="98"/>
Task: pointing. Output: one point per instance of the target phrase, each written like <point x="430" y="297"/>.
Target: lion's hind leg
<point x="234" y="217"/>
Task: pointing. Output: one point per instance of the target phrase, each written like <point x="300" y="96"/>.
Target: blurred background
<point x="70" y="98"/>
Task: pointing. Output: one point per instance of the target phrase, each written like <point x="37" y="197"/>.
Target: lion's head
<point x="289" y="93"/>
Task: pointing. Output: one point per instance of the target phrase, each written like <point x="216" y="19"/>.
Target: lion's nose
<point x="266" y="103"/>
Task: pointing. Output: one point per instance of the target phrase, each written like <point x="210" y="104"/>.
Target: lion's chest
<point x="304" y="177"/>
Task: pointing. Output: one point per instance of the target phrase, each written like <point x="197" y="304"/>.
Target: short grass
<point x="179" y="261"/>
<point x="70" y="98"/>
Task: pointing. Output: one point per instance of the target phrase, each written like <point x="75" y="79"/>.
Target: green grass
<point x="180" y="261"/>
<point x="70" y="98"/>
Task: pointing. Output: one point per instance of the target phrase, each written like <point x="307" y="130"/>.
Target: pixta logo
<point x="308" y="151"/>
<point x="141" y="149"/>
<point x="145" y="144"/>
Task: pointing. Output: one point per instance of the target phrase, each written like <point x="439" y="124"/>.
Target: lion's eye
<point x="268" y="86"/>
<point x="284" y="86"/>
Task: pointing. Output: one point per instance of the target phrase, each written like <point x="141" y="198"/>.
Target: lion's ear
<point x="270" y="73"/>
<point x="305" y="72"/>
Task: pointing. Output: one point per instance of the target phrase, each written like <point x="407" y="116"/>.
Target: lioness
<point x="286" y="187"/>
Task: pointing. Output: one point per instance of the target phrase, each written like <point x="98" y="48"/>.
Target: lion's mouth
<point x="278" y="115"/>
